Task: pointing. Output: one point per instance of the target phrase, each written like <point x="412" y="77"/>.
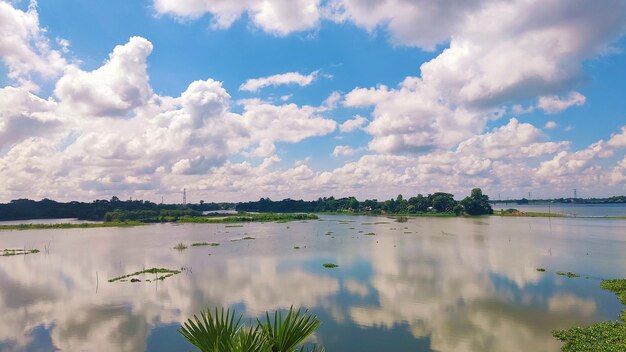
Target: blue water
<point x="430" y="284"/>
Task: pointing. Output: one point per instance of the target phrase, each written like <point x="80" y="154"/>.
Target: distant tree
<point x="477" y="203"/>
<point x="443" y="202"/>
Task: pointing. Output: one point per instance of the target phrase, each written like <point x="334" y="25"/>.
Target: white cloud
<point x="343" y="150"/>
<point x="24" y="47"/>
<point x="352" y="124"/>
<point x="618" y="140"/>
<point x="279" y="17"/>
<point x="114" y="89"/>
<point x="255" y="84"/>
<point x="550" y="125"/>
<point x="553" y="104"/>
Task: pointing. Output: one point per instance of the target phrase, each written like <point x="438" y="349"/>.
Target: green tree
<point x="477" y="203"/>
<point x="443" y="202"/>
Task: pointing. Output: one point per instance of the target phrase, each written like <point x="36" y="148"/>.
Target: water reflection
<point x="429" y="284"/>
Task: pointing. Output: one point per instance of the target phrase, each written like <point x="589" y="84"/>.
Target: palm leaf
<point x="212" y="333"/>
<point x="286" y="333"/>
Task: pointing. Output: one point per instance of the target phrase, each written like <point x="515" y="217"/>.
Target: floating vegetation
<point x="70" y="226"/>
<point x="247" y="217"/>
<point x="402" y="219"/>
<point x="244" y="238"/>
<point x="180" y="246"/>
<point x="568" y="274"/>
<point x="11" y="252"/>
<point x="296" y="247"/>
<point x="531" y="214"/>
<point x="233" y="226"/>
<point x="329" y="265"/>
<point x="351" y="228"/>
<point x="606" y="336"/>
<point x="328" y="233"/>
<point x="407" y="232"/>
<point x="201" y="244"/>
<point x="156" y="271"/>
<point x="380" y="222"/>
<point x="370" y="234"/>
<point x="541" y="270"/>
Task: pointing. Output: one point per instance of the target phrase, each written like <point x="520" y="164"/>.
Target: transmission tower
<point x="184" y="197"/>
<point x="575" y="196"/>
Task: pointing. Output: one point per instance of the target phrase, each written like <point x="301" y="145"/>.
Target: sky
<point x="235" y="100"/>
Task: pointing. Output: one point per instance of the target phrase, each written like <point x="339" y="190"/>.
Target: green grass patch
<point x="247" y="217"/>
<point x="12" y="252"/>
<point x="156" y="271"/>
<point x="568" y="274"/>
<point x="86" y="225"/>
<point x="530" y="214"/>
<point x="329" y="265"/>
<point x="201" y="244"/>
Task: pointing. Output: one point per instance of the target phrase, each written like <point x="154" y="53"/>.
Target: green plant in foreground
<point x="606" y="336"/>
<point x="221" y="331"/>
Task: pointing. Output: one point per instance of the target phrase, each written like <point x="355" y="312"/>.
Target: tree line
<point x="146" y="211"/>
<point x="475" y="204"/>
<point x="23" y="209"/>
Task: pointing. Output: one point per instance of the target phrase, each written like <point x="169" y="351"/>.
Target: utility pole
<point x="575" y="196"/>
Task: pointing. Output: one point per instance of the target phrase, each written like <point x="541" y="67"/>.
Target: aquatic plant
<point x="200" y="244"/>
<point x="180" y="246"/>
<point x="370" y="234"/>
<point x="296" y="247"/>
<point x="541" y="270"/>
<point x="568" y="274"/>
<point x="167" y="273"/>
<point x="221" y="331"/>
<point x="605" y="336"/>
<point x="13" y="252"/>
<point x="329" y="265"/>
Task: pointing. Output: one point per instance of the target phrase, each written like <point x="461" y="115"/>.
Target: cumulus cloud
<point x="552" y="104"/>
<point x="550" y="125"/>
<point x="255" y="84"/>
<point x="352" y="124"/>
<point x="279" y="17"/>
<point x="114" y="89"/>
<point x="343" y="150"/>
<point x="618" y="140"/>
<point x="24" y="47"/>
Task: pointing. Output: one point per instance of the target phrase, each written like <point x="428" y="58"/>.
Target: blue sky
<point x="143" y="98"/>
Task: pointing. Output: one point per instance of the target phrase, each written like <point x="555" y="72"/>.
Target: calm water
<point x="570" y="209"/>
<point x="454" y="284"/>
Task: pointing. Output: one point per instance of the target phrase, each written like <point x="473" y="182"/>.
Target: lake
<point x="444" y="284"/>
<point x="593" y="210"/>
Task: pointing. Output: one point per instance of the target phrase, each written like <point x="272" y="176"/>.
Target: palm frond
<point x="285" y="334"/>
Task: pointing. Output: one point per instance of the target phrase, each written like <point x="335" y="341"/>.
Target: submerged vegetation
<point x="156" y="271"/>
<point x="605" y="336"/>
<point x="568" y="274"/>
<point x="201" y="244"/>
<point x="180" y="246"/>
<point x="222" y="331"/>
<point x="12" y="252"/>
